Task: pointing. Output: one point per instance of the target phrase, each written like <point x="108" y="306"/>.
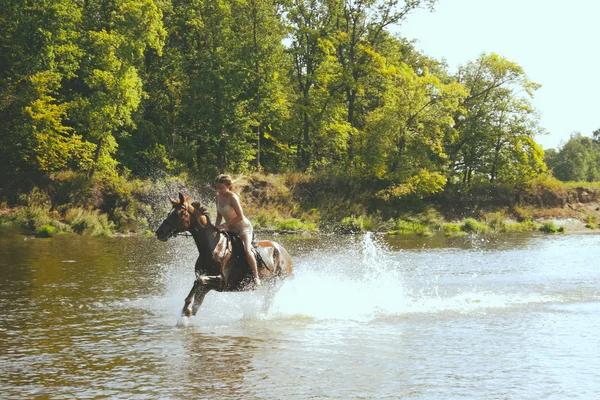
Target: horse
<point x="221" y="263"/>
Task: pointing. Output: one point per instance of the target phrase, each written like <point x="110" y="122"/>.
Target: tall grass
<point x="89" y="222"/>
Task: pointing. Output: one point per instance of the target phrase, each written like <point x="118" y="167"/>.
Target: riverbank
<point x="296" y="203"/>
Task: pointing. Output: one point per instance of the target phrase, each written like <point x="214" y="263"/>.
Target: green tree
<point x="310" y="24"/>
<point x="404" y="137"/>
<point x="577" y="160"/>
<point x="360" y="33"/>
<point x="260" y="31"/>
<point x="108" y="87"/>
<point x="38" y="53"/>
<point x="496" y="127"/>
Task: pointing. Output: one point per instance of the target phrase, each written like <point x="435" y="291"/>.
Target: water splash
<point x="358" y="281"/>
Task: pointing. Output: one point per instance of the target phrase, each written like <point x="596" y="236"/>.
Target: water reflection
<point x="365" y="316"/>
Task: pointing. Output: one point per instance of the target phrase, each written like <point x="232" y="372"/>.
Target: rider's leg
<point x="247" y="238"/>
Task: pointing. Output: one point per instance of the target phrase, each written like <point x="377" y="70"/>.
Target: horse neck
<point x="206" y="238"/>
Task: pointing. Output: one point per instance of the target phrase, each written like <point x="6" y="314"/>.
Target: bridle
<point x="175" y="231"/>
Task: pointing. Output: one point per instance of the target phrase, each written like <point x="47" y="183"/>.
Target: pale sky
<point x="556" y="42"/>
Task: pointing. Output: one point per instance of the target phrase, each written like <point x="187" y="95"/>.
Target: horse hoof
<point x="183" y="322"/>
<point x="186" y="313"/>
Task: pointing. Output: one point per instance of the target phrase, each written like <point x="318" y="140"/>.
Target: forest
<point x="103" y="93"/>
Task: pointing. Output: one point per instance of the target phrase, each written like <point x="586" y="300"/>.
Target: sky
<point x="556" y="42"/>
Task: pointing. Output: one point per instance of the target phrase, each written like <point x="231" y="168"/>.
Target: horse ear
<point x="173" y="201"/>
<point x="181" y="198"/>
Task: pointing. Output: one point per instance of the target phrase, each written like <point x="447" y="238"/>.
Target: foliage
<point x="577" y="160"/>
<point x="355" y="224"/>
<point x="591" y="221"/>
<point x="452" y="230"/>
<point x="406" y="227"/>
<point x="493" y="137"/>
<point x="103" y="102"/>
<point x="45" y="231"/>
<point x="293" y="224"/>
<point x="550" y="227"/>
<point x="88" y="222"/>
<point x="471" y="225"/>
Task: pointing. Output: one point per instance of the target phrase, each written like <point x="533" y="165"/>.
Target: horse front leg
<point x="186" y="312"/>
<point x="205" y="285"/>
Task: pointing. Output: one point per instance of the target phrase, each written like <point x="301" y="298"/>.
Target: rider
<point x="229" y="208"/>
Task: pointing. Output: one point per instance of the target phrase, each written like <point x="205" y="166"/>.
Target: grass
<point x="410" y="227"/>
<point x="45" y="223"/>
<point x="525" y="226"/>
<point x="298" y="202"/>
<point x="550" y="227"/>
<point x="471" y="225"/>
<point x="294" y="224"/>
<point x="452" y="230"/>
<point x="591" y="222"/>
<point x="355" y="224"/>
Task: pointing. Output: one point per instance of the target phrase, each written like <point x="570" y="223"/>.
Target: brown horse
<point x="221" y="264"/>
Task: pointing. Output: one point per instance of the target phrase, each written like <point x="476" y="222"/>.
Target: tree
<point x="108" y="88"/>
<point x="38" y="53"/>
<point x="310" y="24"/>
<point x="260" y="32"/>
<point x="404" y="137"/>
<point x="577" y="160"/>
<point x="360" y="33"/>
<point x="496" y="125"/>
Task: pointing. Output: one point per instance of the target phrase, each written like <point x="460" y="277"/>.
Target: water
<point x="506" y="317"/>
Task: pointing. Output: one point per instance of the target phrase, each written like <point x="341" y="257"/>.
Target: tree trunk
<point x="96" y="157"/>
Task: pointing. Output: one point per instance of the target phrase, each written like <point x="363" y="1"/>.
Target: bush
<point x="31" y="217"/>
<point x="526" y="226"/>
<point x="293" y="224"/>
<point x="452" y="230"/>
<point x="408" y="227"/>
<point x="91" y="222"/>
<point x="45" y="231"/>
<point x="591" y="222"/>
<point x="355" y="224"/>
<point x="550" y="227"/>
<point x="471" y="225"/>
<point x="496" y="221"/>
<point x="265" y="219"/>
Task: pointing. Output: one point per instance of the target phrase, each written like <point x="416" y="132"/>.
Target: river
<point x="365" y="316"/>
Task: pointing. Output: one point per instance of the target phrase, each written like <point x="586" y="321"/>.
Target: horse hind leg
<point x="272" y="291"/>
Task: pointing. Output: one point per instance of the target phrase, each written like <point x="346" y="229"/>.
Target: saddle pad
<point x="264" y="256"/>
<point x="222" y="249"/>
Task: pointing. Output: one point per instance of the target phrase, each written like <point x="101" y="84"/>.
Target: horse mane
<point x="201" y="210"/>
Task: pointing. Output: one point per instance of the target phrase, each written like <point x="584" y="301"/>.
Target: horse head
<point x="183" y="217"/>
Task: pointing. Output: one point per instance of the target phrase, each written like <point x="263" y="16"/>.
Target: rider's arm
<point x="219" y="216"/>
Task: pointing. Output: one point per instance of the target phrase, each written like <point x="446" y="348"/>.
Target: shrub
<point x="471" y="225"/>
<point x="293" y="224"/>
<point x="591" y="221"/>
<point x="45" y="231"/>
<point x="355" y="224"/>
<point x="265" y="219"/>
<point x="31" y="217"/>
<point x="525" y="226"/>
<point x="550" y="227"/>
<point x="408" y="227"/>
<point x="91" y="222"/>
<point x="452" y="230"/>
<point x="496" y="221"/>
